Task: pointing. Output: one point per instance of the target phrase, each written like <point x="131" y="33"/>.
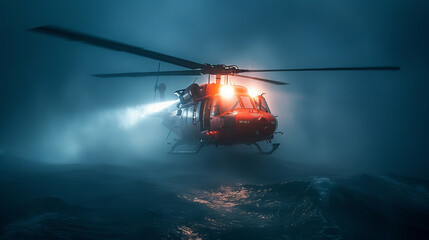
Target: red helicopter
<point x="217" y="113"/>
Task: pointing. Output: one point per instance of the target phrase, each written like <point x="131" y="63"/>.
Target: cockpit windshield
<point x="233" y="102"/>
<point x="247" y="103"/>
<point x="230" y="103"/>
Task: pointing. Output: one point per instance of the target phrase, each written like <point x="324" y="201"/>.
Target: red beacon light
<point x="211" y="133"/>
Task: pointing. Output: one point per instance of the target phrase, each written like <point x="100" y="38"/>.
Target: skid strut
<point x="274" y="147"/>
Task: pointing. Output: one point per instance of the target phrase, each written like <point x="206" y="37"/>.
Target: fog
<point x="52" y="109"/>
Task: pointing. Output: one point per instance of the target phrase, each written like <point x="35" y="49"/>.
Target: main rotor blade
<point x="113" y="45"/>
<point x="148" y="74"/>
<point x="382" y="68"/>
<point x="262" y="79"/>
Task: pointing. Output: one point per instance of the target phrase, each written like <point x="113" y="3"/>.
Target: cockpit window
<point x="247" y="103"/>
<point x="229" y="104"/>
<point x="261" y="103"/>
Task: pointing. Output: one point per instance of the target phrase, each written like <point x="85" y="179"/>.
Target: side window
<point x="206" y="114"/>
<point x="214" y="104"/>
<point x="196" y="117"/>
<point x="263" y="104"/>
<point x="247" y="103"/>
<point x="257" y="103"/>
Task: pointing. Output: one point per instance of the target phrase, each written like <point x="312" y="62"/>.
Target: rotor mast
<point x="218" y="78"/>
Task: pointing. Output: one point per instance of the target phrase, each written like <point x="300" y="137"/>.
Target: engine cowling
<point x="190" y="93"/>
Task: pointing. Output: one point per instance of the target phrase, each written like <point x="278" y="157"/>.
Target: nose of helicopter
<point x="244" y="125"/>
<point x="256" y="125"/>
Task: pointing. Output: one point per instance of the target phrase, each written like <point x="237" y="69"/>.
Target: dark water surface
<point x="197" y="197"/>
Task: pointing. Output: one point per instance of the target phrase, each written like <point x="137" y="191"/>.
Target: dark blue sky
<point x="52" y="109"/>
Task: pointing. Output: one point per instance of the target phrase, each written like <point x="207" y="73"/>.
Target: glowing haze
<point x="131" y="115"/>
<point x="374" y="120"/>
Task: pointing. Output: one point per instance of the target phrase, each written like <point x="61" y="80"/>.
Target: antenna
<point x="156" y="83"/>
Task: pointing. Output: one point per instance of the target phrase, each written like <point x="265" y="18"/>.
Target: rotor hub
<point x="219" y="69"/>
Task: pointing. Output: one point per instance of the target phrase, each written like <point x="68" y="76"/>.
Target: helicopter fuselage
<point x="221" y="114"/>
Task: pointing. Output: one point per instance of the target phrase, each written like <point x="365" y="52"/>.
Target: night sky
<point x="53" y="110"/>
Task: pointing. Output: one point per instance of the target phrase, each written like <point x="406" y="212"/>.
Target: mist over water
<point x="218" y="195"/>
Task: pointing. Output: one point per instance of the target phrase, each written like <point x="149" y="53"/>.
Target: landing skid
<point x="197" y="148"/>
<point x="274" y="147"/>
<point x="201" y="144"/>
